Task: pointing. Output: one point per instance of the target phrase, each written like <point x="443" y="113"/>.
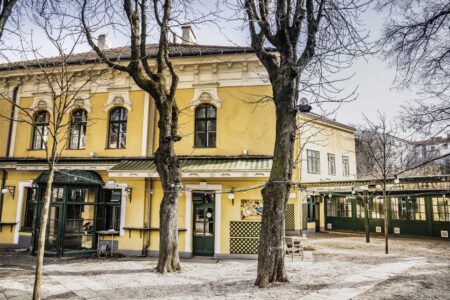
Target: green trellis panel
<point x="244" y="237"/>
<point x="290" y="217"/>
<point x="244" y="245"/>
<point x="245" y="229"/>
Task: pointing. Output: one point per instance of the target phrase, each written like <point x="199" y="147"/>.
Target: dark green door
<point x="203" y="239"/>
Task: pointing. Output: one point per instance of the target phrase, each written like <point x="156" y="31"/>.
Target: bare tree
<point x="416" y="42"/>
<point x="384" y="154"/>
<point x="161" y="83"/>
<point x="62" y="84"/>
<point x="312" y="39"/>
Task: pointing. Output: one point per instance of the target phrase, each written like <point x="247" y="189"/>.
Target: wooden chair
<point x="293" y="245"/>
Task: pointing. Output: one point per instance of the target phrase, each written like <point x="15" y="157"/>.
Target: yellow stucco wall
<point x="237" y="117"/>
<point x="96" y="134"/>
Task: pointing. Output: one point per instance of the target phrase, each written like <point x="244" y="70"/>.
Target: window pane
<point x="200" y="139"/>
<point x="200" y="126"/>
<point x="200" y="112"/>
<point x="441" y="209"/>
<point x="211" y="139"/>
<point x="123" y="140"/>
<point x="377" y="209"/>
<point x="211" y="111"/>
<point x="212" y="125"/>
<point x="115" y="115"/>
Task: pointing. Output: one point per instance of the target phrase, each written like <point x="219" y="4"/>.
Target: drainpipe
<point x="149" y="206"/>
<point x="8" y="144"/>
<point x="149" y="215"/>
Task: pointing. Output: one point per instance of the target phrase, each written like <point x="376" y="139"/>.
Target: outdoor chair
<point x="294" y="246"/>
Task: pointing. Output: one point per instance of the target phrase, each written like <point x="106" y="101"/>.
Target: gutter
<point x="8" y="145"/>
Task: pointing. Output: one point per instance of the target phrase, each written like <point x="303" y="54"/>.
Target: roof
<point x="318" y="117"/>
<point x="200" y="165"/>
<point x="73" y="177"/>
<point x="123" y="54"/>
<point x="434" y="141"/>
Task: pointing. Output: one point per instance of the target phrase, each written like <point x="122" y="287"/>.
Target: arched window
<point x="117" y="137"/>
<point x="78" y="123"/>
<point x="205" y="126"/>
<point x="40" y="131"/>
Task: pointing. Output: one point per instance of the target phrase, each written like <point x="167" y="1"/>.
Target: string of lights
<point x="294" y="185"/>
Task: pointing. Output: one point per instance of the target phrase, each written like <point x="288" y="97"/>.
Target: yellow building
<point x="106" y="177"/>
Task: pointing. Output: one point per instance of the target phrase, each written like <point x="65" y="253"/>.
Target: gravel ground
<point x="336" y="266"/>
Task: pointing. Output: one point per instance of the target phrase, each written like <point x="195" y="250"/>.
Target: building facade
<point x="106" y="186"/>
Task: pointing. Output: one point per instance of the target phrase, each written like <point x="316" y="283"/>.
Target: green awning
<point x="198" y="167"/>
<point x="72" y="177"/>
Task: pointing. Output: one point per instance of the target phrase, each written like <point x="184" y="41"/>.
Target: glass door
<point x="79" y="220"/>
<point x="203" y="224"/>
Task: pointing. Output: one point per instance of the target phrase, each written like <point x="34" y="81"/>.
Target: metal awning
<point x="72" y="177"/>
<point x="198" y="167"/>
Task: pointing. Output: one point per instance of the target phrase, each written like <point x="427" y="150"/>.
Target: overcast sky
<point x="372" y="76"/>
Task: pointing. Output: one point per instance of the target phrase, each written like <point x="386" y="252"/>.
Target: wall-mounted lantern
<point x="11" y="189"/>
<point x="231" y="196"/>
<point x="129" y="192"/>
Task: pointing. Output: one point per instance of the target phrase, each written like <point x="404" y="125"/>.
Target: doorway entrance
<point x="74" y="202"/>
<point x="203" y="223"/>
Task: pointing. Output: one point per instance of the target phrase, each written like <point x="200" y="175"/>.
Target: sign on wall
<point x="251" y="209"/>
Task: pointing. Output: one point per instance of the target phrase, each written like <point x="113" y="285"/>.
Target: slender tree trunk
<point x="386" y="218"/>
<point x="366" y="213"/>
<point x="42" y="232"/>
<point x="169" y="171"/>
<point x="271" y="253"/>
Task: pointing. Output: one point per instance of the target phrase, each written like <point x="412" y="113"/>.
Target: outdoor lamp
<point x="329" y="195"/>
<point x="231" y="197"/>
<point x="10" y="189"/>
<point x="303" y="106"/>
<point x="353" y="191"/>
<point x="396" y="180"/>
<point x="293" y="195"/>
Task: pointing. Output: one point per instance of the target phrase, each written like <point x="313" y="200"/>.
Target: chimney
<point x="103" y="42"/>
<point x="188" y="36"/>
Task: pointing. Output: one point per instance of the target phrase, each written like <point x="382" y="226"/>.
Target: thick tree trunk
<point x="41" y="237"/>
<point x="271" y="267"/>
<point x="170" y="174"/>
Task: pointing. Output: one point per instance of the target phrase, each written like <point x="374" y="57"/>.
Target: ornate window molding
<point x="42" y="103"/>
<point x="81" y="101"/>
<point x="118" y="99"/>
<point x="205" y="95"/>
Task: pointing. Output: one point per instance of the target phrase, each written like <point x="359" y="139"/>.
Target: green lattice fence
<point x="290" y="218"/>
<point x="244" y="237"/>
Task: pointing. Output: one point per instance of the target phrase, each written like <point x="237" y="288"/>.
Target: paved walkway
<point x="338" y="267"/>
<point x="354" y="285"/>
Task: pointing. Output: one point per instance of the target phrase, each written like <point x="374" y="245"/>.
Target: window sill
<point x="29" y="149"/>
<point x="116" y="148"/>
<point x="194" y="147"/>
<point x="73" y="149"/>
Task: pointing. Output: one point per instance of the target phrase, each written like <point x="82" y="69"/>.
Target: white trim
<point x="123" y="186"/>
<point x="80" y="101"/>
<point x="20" y="200"/>
<point x="118" y="99"/>
<point x="188" y="223"/>
<point x="145" y="125"/>
<point x="14" y="128"/>
<point x="42" y="103"/>
<point x="205" y="95"/>
<point x="212" y="174"/>
<point x="217" y="214"/>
